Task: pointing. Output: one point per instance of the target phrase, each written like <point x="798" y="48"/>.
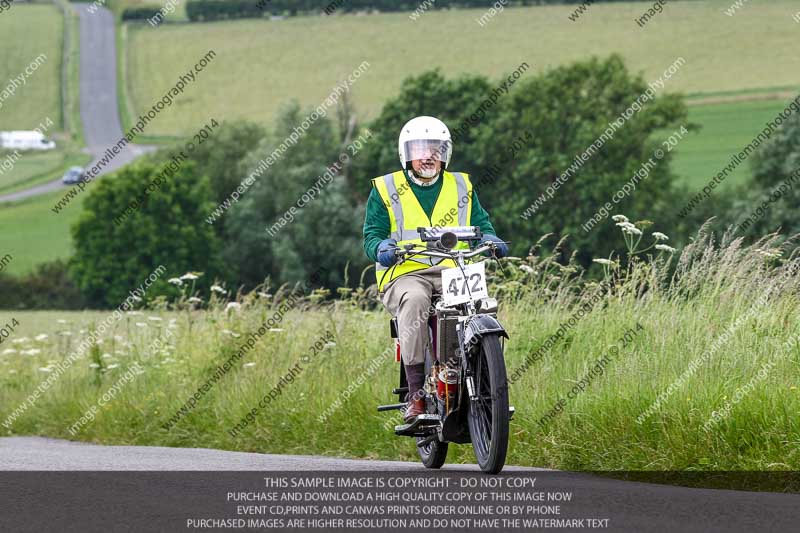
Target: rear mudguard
<point x="479" y="326"/>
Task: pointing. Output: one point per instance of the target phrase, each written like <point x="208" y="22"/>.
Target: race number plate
<point x="459" y="286"/>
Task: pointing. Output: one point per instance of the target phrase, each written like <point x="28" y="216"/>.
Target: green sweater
<point x="377" y="226"/>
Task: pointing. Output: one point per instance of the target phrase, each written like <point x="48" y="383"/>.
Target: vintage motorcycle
<point x="466" y="392"/>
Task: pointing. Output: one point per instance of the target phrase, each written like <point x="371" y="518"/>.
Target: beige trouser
<point x="409" y="299"/>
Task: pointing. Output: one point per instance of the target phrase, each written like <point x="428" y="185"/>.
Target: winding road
<point x="169" y="484"/>
<point x="98" y="98"/>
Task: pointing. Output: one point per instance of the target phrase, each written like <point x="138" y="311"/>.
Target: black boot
<point x="415" y="377"/>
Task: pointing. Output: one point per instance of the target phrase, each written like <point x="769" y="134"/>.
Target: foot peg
<point x="419" y="427"/>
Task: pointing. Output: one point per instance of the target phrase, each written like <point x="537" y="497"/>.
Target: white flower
<point x="769" y="253"/>
<point x="657" y="235"/>
<point x="606" y="262"/>
<point x="117" y="338"/>
<point x="264" y="294"/>
<point x="65" y="333"/>
<point x="41" y="337"/>
<point x="45" y="369"/>
<point x="175" y="281"/>
<point x="154" y="318"/>
<point x="619" y="218"/>
<point x="249" y="365"/>
<point x="94" y="365"/>
<point x="9" y="351"/>
<point x="217" y="288"/>
<point x="61" y="321"/>
<point x="330" y="344"/>
<point x="135" y="313"/>
<point x="632" y="230"/>
<point x="526" y="268"/>
<point x="141" y="324"/>
<point x="189" y="276"/>
<point x="106" y="356"/>
<point x="665" y="248"/>
<point x="20" y="341"/>
<point x="232" y="305"/>
<point x="194" y="300"/>
<point x="275" y="329"/>
<point x="109" y="367"/>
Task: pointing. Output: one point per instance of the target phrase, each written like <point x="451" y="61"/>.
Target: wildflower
<point x="40" y="337"/>
<point x="61" y="321"/>
<point x="32" y="351"/>
<point x="194" y="300"/>
<point x="20" y="341"/>
<point x="619" y="218"/>
<point x="135" y="313"/>
<point x="232" y="305"/>
<point x="65" y="333"/>
<point x="189" y="276"/>
<point x="632" y="230"/>
<point x="264" y="294"/>
<point x="45" y="369"/>
<point x="154" y="318"/>
<point x="665" y="248"/>
<point x="526" y="268"/>
<point x="769" y="253"/>
<point x="9" y="351"/>
<point x="175" y="281"/>
<point x="276" y="329"/>
<point x="605" y="262"/>
<point x="106" y="356"/>
<point x="657" y="235"/>
<point x="217" y="288"/>
<point x="110" y="367"/>
<point x="249" y="365"/>
<point x="141" y="324"/>
<point x="94" y="365"/>
<point x="330" y="344"/>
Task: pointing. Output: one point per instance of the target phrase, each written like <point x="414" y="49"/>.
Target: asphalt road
<point x="98" y="98"/>
<point x="138" y="486"/>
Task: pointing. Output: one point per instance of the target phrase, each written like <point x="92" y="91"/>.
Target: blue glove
<point x="502" y="248"/>
<point x="386" y="252"/>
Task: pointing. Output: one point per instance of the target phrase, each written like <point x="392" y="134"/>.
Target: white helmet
<point x="423" y="138"/>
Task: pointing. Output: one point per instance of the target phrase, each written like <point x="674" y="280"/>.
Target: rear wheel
<point x="488" y="413"/>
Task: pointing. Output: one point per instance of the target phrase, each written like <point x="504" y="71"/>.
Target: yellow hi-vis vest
<point x="453" y="208"/>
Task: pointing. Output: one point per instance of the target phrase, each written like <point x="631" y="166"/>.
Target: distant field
<point x="28" y="31"/>
<point x="726" y="130"/>
<point x="261" y="64"/>
<point x="33" y="234"/>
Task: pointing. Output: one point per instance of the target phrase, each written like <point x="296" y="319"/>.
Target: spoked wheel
<point x="434" y="453"/>
<point x="488" y="414"/>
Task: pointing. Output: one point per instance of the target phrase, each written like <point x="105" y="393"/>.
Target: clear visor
<point x="428" y="149"/>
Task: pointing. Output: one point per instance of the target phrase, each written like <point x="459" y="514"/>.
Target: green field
<point x="711" y="314"/>
<point x="262" y="64"/>
<point x="28" y="31"/>
<point x="33" y="234"/>
<point x="726" y="128"/>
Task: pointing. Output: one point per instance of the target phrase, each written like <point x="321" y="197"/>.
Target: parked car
<point x="73" y="175"/>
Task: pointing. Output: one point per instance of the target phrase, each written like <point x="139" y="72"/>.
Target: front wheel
<point x="488" y="413"/>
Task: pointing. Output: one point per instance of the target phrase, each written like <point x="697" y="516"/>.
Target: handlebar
<point x="450" y="254"/>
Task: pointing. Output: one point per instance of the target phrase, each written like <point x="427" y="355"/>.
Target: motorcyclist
<point x="426" y="194"/>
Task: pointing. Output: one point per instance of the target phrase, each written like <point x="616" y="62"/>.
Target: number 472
<point x="453" y="287"/>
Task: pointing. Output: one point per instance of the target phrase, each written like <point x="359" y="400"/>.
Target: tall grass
<point x="687" y="306"/>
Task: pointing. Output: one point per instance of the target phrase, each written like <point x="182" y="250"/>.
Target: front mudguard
<point x="479" y="326"/>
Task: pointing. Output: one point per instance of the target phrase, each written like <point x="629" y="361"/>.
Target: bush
<point x="207" y="10"/>
<point x="140" y="13"/>
<point x="49" y="287"/>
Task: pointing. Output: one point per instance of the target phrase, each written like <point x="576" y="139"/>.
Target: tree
<point x="549" y="120"/>
<point x="168" y="228"/>
<point x="272" y="233"/>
